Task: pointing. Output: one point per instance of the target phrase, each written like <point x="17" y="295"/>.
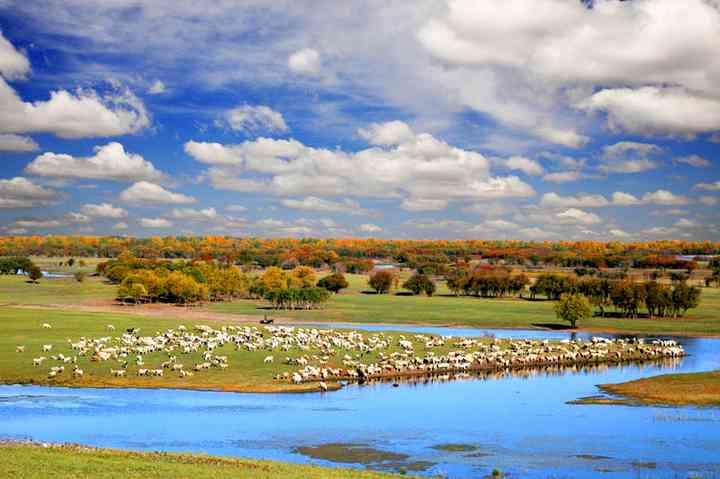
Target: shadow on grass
<point x="554" y="326"/>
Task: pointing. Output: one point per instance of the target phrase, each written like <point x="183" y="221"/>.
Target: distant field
<point x="17" y="290"/>
<point x="51" y="263"/>
<point x="73" y="462"/>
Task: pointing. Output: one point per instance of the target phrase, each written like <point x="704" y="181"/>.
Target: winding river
<point x="519" y="424"/>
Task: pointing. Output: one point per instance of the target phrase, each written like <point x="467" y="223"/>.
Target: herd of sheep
<point x="319" y="355"/>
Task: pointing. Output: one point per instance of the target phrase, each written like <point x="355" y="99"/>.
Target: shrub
<point x="79" y="276"/>
<point x="420" y="283"/>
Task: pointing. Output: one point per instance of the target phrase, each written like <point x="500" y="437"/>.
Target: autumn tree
<point x="381" y="281"/>
<point x="334" y="282"/>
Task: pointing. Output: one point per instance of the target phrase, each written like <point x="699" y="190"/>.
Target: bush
<point x="572" y="308"/>
<point x="34" y="273"/>
<point x="79" y="276"/>
<point x="381" y="281"/>
<point x="333" y="283"/>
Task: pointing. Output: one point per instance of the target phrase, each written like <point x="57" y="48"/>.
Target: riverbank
<point x="35" y="461"/>
<point x="96" y="351"/>
<point x="693" y="389"/>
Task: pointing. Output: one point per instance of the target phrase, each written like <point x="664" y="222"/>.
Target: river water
<point x="519" y="424"/>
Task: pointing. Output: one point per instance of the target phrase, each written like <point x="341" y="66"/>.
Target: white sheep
<point x="269" y="359"/>
<point x="20" y="349"/>
<point x="46" y="326"/>
<point x="110" y="327"/>
<point x="47" y="348"/>
<point x="38" y="361"/>
<point x="77" y="372"/>
<point x="323" y="386"/>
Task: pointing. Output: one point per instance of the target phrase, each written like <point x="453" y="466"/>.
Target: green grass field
<point x="75" y="462"/>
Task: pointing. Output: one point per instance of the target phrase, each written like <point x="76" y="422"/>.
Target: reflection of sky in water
<point x="520" y="423"/>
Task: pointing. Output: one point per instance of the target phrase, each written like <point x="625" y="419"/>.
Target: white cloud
<point x="250" y="118"/>
<point x="625" y="199"/>
<point x="49" y="223"/>
<point x="708" y="186"/>
<point x="369" y="228"/>
<point x="120" y="226"/>
<point x="630" y="157"/>
<point x="618" y="233"/>
<point x="103" y="210"/>
<point x="577" y="216"/>
<point x="694" y="160"/>
<point x="422" y="204"/>
<point x="236" y="208"/>
<point x="685" y="223"/>
<point x="657" y="111"/>
<point x="562" y="176"/>
<point x="146" y="192"/>
<point x="83" y="114"/>
<point x="20" y="192"/>
<point x="421" y="167"/>
<point x="313" y="203"/>
<point x="664" y="197"/>
<point x="157" y="88"/>
<point x="11" y="142"/>
<point x="207" y="214"/>
<point x="155" y="223"/>
<point x="110" y="162"/>
<point x="500" y="224"/>
<point x="305" y="62"/>
<point x="526" y="165"/>
<point x="553" y="200"/>
<point x="388" y="133"/>
<point x="13" y="64"/>
<point x="536" y="233"/>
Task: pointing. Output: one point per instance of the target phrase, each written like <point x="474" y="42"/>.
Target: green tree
<point x="381" y="281"/>
<point x="573" y="307"/>
<point x="420" y="283"/>
<point x="34" y="273"/>
<point x="334" y="282"/>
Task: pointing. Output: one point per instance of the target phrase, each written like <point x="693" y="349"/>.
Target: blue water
<point x="521" y="424"/>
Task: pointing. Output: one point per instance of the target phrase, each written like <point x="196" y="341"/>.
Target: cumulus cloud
<point x="305" y="62"/>
<point x="313" y="203"/>
<point x="155" y="223"/>
<point x="664" y="197"/>
<point x="70" y="219"/>
<point x="110" y="162"/>
<point x="618" y="233"/>
<point x="20" y="192"/>
<point x="249" y="118"/>
<point x="657" y="111"/>
<point x="103" y="210"/>
<point x="421" y="166"/>
<point x="388" y="133"/>
<point x="694" y="160"/>
<point x="620" y="198"/>
<point x="630" y="157"/>
<point x="83" y="114"/>
<point x="206" y="214"/>
<point x="19" y="143"/>
<point x="577" y="217"/>
<point x="120" y="226"/>
<point x="236" y="208"/>
<point x="423" y="204"/>
<point x="526" y="165"/>
<point x="369" y="228"/>
<point x="146" y="192"/>
<point x="553" y="200"/>
<point x="157" y="88"/>
<point x="13" y="64"/>
<point x="562" y="176"/>
<point x="708" y="186"/>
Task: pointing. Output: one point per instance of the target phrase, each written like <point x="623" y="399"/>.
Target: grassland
<point x="358" y="305"/>
<point x="24" y="461"/>
<point x="693" y="389"/>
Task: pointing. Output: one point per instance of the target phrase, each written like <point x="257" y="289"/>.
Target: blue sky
<point x="431" y="119"/>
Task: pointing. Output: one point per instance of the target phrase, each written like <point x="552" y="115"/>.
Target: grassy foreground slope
<point x="21" y="461"/>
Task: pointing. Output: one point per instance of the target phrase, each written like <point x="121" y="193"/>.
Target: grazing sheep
<point x="38" y="361"/>
<point x="77" y="372"/>
<point x="20" y="349"/>
<point x="110" y="327"/>
<point x="47" y="348"/>
<point x="323" y="386"/>
<point x="46" y="326"/>
<point x="269" y="359"/>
